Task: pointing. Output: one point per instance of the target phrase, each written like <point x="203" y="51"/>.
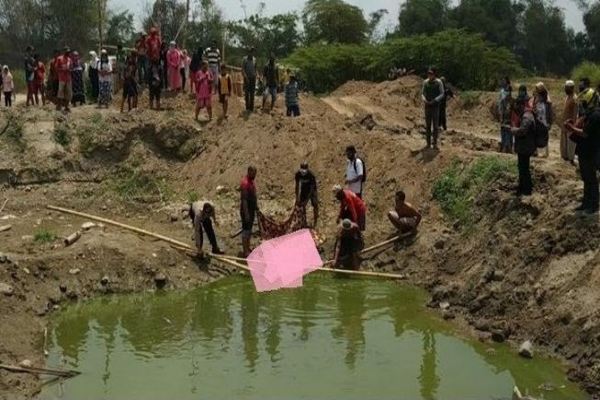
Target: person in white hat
<point x="348" y="245"/>
<point x="567" y="146"/>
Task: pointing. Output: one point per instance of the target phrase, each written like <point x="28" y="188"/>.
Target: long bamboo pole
<point x="226" y="259"/>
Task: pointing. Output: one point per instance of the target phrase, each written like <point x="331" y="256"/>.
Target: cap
<point x="346" y="224"/>
<point x="304" y="165"/>
<point x="103" y="51"/>
<point x="569" y="83"/>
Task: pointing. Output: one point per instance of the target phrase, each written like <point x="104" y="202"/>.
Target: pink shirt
<point x="203" y="84"/>
<point x="173" y="58"/>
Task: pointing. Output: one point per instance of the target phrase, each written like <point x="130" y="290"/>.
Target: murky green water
<point x="332" y="339"/>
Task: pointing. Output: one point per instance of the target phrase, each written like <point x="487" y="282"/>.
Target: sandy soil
<point x="527" y="272"/>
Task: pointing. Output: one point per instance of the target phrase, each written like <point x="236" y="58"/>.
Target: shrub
<point x="61" y="135"/>
<point x="453" y="52"/>
<point x="43" y="235"/>
<point x="136" y="185"/>
<point x="470" y="99"/>
<point x="14" y="127"/>
<point x="457" y="188"/>
<point x="587" y="70"/>
<point x="192" y="196"/>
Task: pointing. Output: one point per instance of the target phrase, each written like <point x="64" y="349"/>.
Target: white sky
<point x="233" y="9"/>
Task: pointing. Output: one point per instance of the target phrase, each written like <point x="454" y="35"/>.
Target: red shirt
<point x="40" y="72"/>
<point x="354" y="204"/>
<point x="153" y="43"/>
<point x="63" y="68"/>
<point x="248" y="192"/>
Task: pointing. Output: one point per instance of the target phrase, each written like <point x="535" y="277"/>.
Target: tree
<point x="120" y="28"/>
<point x="167" y="15"/>
<point x="207" y="24"/>
<point x="423" y="17"/>
<point x="497" y="20"/>
<point x="591" y="20"/>
<point x="374" y="21"/>
<point x="277" y="34"/>
<point x="334" y="21"/>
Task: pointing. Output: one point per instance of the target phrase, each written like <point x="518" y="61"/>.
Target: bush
<point x="44" y="236"/>
<point x="457" y="188"/>
<point x="135" y="185"/>
<point x="61" y="135"/>
<point x="470" y="99"/>
<point x="14" y="127"/>
<point x="587" y="70"/>
<point x="465" y="59"/>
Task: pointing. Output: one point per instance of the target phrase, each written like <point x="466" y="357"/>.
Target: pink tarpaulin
<point x="282" y="262"/>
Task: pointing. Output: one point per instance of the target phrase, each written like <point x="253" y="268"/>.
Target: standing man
<point x="249" y="74"/>
<point x="121" y="65"/>
<point x="153" y="46"/>
<point x="271" y="76"/>
<point x="351" y="207"/>
<point x="248" y="208"/>
<point x="213" y="56"/>
<point x="567" y="146"/>
<point x="306" y="190"/>
<point x="586" y="133"/>
<point x="355" y="172"/>
<point x="142" y="61"/>
<point x="203" y="215"/>
<point x="65" y="88"/>
<point x="30" y="74"/>
<point x="432" y="94"/>
<point x="525" y="145"/>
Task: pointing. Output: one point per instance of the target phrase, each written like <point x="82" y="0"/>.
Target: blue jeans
<point x="506" y="140"/>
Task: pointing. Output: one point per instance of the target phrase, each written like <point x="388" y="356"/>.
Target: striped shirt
<point x="291" y="94"/>
<point x="213" y="56"/>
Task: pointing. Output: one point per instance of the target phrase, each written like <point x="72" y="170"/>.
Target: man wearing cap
<point x="306" y="190"/>
<point x="349" y="243"/>
<point x="213" y="56"/>
<point x="432" y="94"/>
<point x="351" y="207"/>
<point x="249" y="74"/>
<point x="202" y="215"/>
<point x="525" y="145"/>
<point x="30" y="67"/>
<point x="586" y="134"/>
<point x="248" y="207"/>
<point x="65" y="88"/>
<point x="567" y="146"/>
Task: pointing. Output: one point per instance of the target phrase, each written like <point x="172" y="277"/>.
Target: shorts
<point x="204" y="102"/>
<point x="65" y="91"/>
<point x="223" y="98"/>
<point x="270" y="91"/>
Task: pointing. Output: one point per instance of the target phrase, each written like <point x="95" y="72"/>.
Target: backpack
<point x="364" y="175"/>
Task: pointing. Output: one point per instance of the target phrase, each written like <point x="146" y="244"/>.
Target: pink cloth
<point x="282" y="262"/>
<point x="203" y="85"/>
<point x="173" y="73"/>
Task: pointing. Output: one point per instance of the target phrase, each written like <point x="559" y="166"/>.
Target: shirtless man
<point x="405" y="217"/>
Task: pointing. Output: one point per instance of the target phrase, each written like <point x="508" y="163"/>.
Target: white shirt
<point x="354" y="169"/>
<point x="106" y="67"/>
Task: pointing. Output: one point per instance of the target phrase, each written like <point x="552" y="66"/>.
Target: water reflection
<point x="327" y="337"/>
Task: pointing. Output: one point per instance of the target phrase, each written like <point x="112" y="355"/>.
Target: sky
<point x="233" y="10"/>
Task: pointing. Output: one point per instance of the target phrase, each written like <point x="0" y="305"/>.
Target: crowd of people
<point x="153" y="65"/>
<point x="351" y="218"/>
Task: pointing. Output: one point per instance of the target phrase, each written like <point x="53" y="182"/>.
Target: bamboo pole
<point x="44" y="371"/>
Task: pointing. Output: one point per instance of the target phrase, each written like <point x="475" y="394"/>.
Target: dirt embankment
<point x="525" y="270"/>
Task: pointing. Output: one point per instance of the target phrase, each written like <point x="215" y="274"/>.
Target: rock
<point x="4" y="258"/>
<point x="104" y="281"/>
<point x="160" y="280"/>
<point x="221" y="190"/>
<point x="26" y="270"/>
<point x="26" y="364"/>
<point x="74" y="271"/>
<point x="498" y="275"/>
<point x="174" y="217"/>
<point x="448" y="315"/>
<point x="27" y="238"/>
<point x="526" y="349"/>
<point x="498" y="336"/>
<point x="27" y="188"/>
<point x="5" y="228"/>
<point x="444" y="305"/>
<point x="440" y="244"/>
<point x="86" y="226"/>
<point x="6" y="289"/>
<point x="63" y="288"/>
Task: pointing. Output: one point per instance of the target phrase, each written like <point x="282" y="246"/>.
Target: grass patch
<point x="470" y="99"/>
<point x="192" y="196"/>
<point x="14" y="127"/>
<point x="43" y="235"/>
<point x="88" y="133"/>
<point x="138" y="186"/>
<point x="457" y="188"/>
<point x="61" y="135"/>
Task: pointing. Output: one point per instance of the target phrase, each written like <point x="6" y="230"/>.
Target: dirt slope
<point x="527" y="270"/>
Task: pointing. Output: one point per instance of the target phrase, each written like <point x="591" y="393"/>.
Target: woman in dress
<point x="105" y="78"/>
<point x="173" y="63"/>
<point x="77" y="80"/>
<point x="93" y="74"/>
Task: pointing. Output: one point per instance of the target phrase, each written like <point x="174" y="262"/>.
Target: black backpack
<point x="364" y="176"/>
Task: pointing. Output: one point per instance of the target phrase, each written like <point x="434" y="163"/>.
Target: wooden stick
<point x="44" y="371"/>
<point x="3" y="205"/>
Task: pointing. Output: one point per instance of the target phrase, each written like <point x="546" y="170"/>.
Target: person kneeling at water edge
<point x="202" y="215"/>
<point x="405" y="217"/>
<point x="348" y="244"/>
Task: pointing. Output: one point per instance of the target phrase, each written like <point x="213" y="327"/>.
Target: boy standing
<point x="291" y="98"/>
<point x="155" y="85"/>
<point x="204" y="81"/>
<point x="225" y="89"/>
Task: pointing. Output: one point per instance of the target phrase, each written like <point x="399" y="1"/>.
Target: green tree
<point x="591" y="20"/>
<point x="208" y="24"/>
<point x="497" y="20"/>
<point x="334" y="21"/>
<point x="169" y="16"/>
<point x="120" y="28"/>
<point x="277" y="34"/>
<point x="423" y="17"/>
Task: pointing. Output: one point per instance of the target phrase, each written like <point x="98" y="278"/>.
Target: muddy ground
<point x="526" y="269"/>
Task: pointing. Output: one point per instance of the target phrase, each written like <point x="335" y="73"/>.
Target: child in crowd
<point x="155" y="86"/>
<point x="204" y="81"/>
<point x="130" y="89"/>
<point x="8" y="86"/>
<point x="225" y="89"/>
<point x="292" y="102"/>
